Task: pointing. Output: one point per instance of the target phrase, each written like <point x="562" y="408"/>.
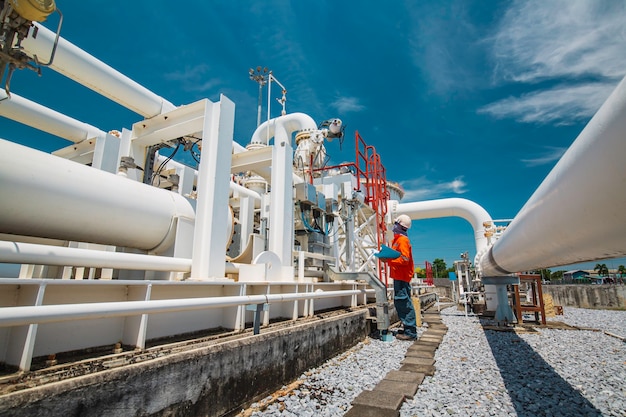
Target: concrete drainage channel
<point x="387" y="397"/>
<point x="210" y="378"/>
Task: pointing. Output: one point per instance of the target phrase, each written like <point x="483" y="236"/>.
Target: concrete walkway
<point x="387" y="397"/>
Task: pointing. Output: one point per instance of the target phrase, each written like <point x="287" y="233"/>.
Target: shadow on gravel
<point x="535" y="388"/>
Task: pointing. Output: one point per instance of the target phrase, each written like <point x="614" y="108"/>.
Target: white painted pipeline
<point x="283" y="127"/>
<point x="36" y="254"/>
<point x="246" y="192"/>
<point x="85" y="69"/>
<point x="35" y="115"/>
<point x="578" y="213"/>
<point x="19" y="316"/>
<point x="447" y="207"/>
<point x="233" y="185"/>
<point x="281" y="214"/>
<point x="47" y="196"/>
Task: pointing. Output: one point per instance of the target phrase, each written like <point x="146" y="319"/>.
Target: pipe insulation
<point x="47" y="120"/>
<point x="577" y="213"/>
<point x="51" y="197"/>
<point x="282" y="127"/>
<point x="447" y="207"/>
<point x="87" y="70"/>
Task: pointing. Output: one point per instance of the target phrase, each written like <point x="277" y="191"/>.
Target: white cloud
<point x="194" y="79"/>
<point x="188" y="73"/>
<point x="445" y="46"/>
<point x="424" y="189"/>
<point x="561" y="105"/>
<point x="540" y="39"/>
<point x="347" y="104"/>
<point x="551" y="154"/>
<point x="568" y="41"/>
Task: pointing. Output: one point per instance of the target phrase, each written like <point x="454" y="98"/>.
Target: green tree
<point x="557" y="275"/>
<point x="621" y="270"/>
<point x="602" y="269"/>
<point x="439" y="268"/>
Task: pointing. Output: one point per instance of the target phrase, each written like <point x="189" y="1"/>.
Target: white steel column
<point x="140" y="340"/>
<point x="246" y="220"/>
<point x="210" y="232"/>
<point x="31" y="334"/>
<point x="281" y="207"/>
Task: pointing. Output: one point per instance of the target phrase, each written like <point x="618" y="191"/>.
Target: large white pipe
<point x="578" y="213"/>
<point x="47" y="196"/>
<point x="19" y="316"/>
<point x="35" y="115"/>
<point x="85" y="69"/>
<point x="447" y="207"/>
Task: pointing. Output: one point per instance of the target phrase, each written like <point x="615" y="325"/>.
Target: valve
<point x="16" y="20"/>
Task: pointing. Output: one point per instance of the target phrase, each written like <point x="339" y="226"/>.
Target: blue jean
<point x="404" y="306"/>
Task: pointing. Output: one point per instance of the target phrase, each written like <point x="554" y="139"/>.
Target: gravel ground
<point x="545" y="373"/>
<point x="329" y="389"/>
<point x="481" y="372"/>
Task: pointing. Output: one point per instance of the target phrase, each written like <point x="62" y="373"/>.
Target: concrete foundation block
<point x="417" y="361"/>
<point x="380" y="399"/>
<point x="434" y="339"/>
<point x="422" y="349"/>
<point x="421" y="342"/>
<point x="420" y="354"/>
<point x="403" y="376"/>
<point x="367" y="411"/>
<point x="420" y="369"/>
<point x="407" y="389"/>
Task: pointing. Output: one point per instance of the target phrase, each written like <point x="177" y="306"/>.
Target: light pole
<point x="260" y="75"/>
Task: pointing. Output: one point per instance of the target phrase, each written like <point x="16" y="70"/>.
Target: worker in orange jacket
<point x="402" y="270"/>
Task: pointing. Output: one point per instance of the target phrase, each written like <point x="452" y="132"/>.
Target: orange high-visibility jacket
<point x="402" y="268"/>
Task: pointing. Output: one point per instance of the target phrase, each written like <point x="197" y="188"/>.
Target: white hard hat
<point x="404" y="221"/>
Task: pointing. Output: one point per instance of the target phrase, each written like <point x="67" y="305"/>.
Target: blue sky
<point x="461" y="98"/>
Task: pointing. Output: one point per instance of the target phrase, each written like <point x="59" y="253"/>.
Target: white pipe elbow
<point x="476" y="215"/>
<point x="282" y="126"/>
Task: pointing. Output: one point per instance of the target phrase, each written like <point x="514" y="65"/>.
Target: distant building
<point x="575" y="274"/>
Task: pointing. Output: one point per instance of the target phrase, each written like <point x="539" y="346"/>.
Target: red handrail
<point x="376" y="192"/>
